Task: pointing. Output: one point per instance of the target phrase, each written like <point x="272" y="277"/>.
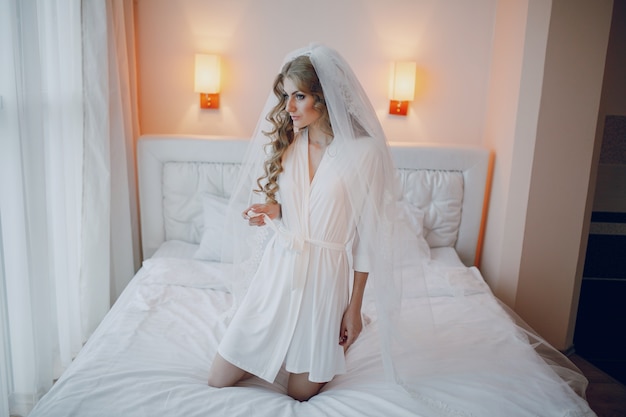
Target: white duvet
<point x="151" y="356"/>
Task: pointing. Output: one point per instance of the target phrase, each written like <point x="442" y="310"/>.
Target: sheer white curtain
<point x="68" y="244"/>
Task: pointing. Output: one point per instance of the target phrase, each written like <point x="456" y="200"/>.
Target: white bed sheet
<point x="151" y="355"/>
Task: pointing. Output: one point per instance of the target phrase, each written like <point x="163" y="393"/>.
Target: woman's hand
<point x="352" y="322"/>
<point x="351" y="326"/>
<point x="254" y="213"/>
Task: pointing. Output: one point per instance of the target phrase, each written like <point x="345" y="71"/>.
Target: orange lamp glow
<point x="207" y="80"/>
<point x="401" y="87"/>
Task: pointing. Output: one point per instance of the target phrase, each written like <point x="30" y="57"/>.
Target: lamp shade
<point x="402" y="81"/>
<point x="207" y="74"/>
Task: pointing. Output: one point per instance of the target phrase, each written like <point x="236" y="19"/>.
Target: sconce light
<point x="207" y="80"/>
<point x="401" y="87"/>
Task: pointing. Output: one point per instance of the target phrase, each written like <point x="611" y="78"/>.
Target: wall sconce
<point x="401" y="87"/>
<point x="207" y="80"/>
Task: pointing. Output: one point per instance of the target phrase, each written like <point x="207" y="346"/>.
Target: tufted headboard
<point x="450" y="184"/>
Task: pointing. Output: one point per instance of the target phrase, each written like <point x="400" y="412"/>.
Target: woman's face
<point x="299" y="105"/>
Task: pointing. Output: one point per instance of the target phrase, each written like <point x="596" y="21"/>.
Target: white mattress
<point x="151" y="356"/>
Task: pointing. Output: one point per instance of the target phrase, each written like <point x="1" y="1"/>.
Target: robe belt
<point x="298" y="243"/>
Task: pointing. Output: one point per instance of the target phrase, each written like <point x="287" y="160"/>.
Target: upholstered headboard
<point x="450" y="184"/>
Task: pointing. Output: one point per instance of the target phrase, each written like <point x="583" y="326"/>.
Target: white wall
<point x="450" y="40"/>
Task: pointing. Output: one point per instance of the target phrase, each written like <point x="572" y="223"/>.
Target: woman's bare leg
<point x="300" y="388"/>
<point x="225" y="374"/>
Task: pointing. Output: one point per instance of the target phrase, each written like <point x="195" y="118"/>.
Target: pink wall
<point x="514" y="97"/>
<point x="451" y="41"/>
<point x="556" y="221"/>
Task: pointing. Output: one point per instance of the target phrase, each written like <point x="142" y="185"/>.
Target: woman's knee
<point x="219" y="380"/>
<point x="223" y="373"/>
<point x="216" y="382"/>
<point x="301" y="389"/>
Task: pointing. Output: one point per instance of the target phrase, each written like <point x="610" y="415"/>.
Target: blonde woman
<point x="326" y="169"/>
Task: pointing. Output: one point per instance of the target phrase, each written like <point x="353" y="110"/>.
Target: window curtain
<point x="68" y="212"/>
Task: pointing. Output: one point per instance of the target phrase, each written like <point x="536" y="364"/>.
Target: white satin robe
<point x="293" y="309"/>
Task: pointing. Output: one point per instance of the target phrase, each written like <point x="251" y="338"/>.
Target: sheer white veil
<point x="362" y="152"/>
<point x="429" y="349"/>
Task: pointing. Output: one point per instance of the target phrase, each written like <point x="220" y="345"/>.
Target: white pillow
<point x="186" y="273"/>
<point x="213" y="236"/>
<point x="176" y="249"/>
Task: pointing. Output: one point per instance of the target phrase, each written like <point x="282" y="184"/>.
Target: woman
<point x="327" y="185"/>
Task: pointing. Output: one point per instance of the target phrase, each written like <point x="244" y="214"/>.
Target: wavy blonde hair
<point x="302" y="73"/>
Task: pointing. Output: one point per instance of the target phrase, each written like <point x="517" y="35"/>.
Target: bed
<point x="151" y="354"/>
